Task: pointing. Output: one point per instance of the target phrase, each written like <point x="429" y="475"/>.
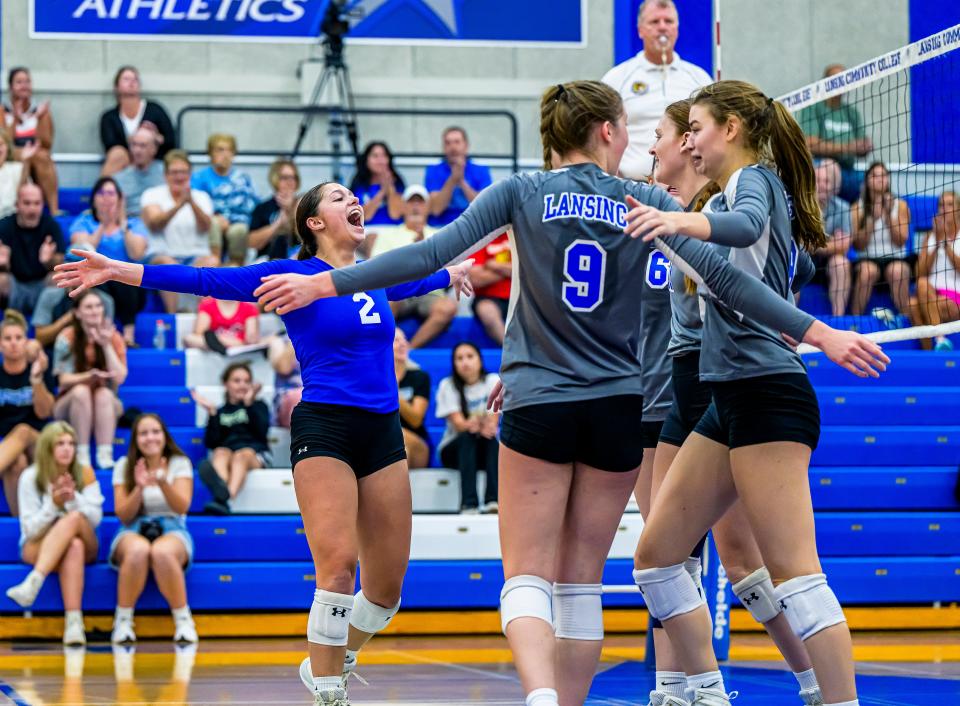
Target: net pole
<point x="717" y="56"/>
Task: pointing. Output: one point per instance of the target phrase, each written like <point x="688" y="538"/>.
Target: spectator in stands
<point x="237" y="436"/>
<point x="271" y="225"/>
<point x="470" y="440"/>
<point x="13" y="174"/>
<point x="60" y="508"/>
<point x="288" y="384"/>
<point x="222" y="325"/>
<point x="30" y="127"/>
<point x="650" y="81"/>
<point x="144" y="171"/>
<point x="118" y="124"/>
<point x="938" y="272"/>
<point x="836" y="222"/>
<point x="152" y="491"/>
<point x="836" y="131"/>
<point x="26" y="402"/>
<point x="181" y="222"/>
<point x="378" y="186"/>
<point x="90" y="358"/>
<point x="435" y="310"/>
<point x="881" y="227"/>
<point x="54" y="312"/>
<point x="232" y="194"/>
<point x="32" y="245"/>
<point x="414" y="386"/>
<point x="491" y="275"/>
<point x="106" y="229"/>
<point x="455" y="182"/>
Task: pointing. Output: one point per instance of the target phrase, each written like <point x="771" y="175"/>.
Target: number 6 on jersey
<point x="584" y="267"/>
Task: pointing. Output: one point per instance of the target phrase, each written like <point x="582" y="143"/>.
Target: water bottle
<point x="160" y="335"/>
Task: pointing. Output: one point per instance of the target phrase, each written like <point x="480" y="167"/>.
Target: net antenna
<point x="335" y="74"/>
<point x="905" y="101"/>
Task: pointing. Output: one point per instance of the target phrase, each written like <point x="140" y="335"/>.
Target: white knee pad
<point x="756" y="594"/>
<point x="693" y="567"/>
<point x="526" y="597"/>
<point x="578" y="611"/>
<point x="329" y="621"/>
<point x="369" y="617"/>
<point x="809" y="604"/>
<point x="668" y="591"/>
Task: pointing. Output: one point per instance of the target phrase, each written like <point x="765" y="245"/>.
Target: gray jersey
<point x="573" y="326"/>
<point x="657" y="368"/>
<point x="750" y="222"/>
<point x="686" y="315"/>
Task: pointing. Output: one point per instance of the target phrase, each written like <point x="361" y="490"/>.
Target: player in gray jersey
<point x="764" y="409"/>
<point x="569" y="444"/>
<point x="735" y="542"/>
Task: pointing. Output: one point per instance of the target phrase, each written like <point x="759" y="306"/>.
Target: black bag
<point x="151" y="528"/>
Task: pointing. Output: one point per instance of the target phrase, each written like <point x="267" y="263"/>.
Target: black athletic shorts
<point x="650" y="431"/>
<point x="366" y="441"/>
<point x="690" y="399"/>
<point x="604" y="433"/>
<point x="762" y="410"/>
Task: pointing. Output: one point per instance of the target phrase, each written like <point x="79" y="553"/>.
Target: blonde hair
<point x="5" y="136"/>
<point x="218" y="137"/>
<point x="568" y="113"/>
<point x="12" y="317"/>
<point x="771" y="133"/>
<point x="46" y="466"/>
<point x="175" y="156"/>
<point x="273" y="175"/>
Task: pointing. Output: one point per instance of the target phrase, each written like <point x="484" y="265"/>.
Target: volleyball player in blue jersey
<point x="764" y="409"/>
<point x="570" y="443"/>
<point x="346" y="446"/>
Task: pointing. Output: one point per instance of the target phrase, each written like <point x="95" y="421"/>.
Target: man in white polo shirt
<point x="652" y="80"/>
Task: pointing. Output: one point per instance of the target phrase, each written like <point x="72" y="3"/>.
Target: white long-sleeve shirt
<point x="38" y="511"/>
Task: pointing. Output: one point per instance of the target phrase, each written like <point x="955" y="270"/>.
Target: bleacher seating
<point x="882" y="483"/>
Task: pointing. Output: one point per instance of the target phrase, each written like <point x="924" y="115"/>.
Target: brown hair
<point x="770" y="131"/>
<point x="867" y="195"/>
<point x="170" y="448"/>
<point x="175" y="156"/>
<point x="12" y="317"/>
<point x="78" y="348"/>
<point x="221" y="137"/>
<point x="234" y="367"/>
<point x="273" y="175"/>
<point x="307" y="207"/>
<point x="568" y="113"/>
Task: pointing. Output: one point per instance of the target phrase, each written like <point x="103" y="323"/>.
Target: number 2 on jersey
<point x="584" y="268"/>
<point x="365" y="316"/>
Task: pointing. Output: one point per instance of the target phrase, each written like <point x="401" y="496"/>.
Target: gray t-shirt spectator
<point x="836" y="216"/>
<point x="133" y="182"/>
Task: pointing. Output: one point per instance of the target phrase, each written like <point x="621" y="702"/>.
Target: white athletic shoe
<point x="73" y="630"/>
<point x="328" y="697"/>
<point x="491" y="508"/>
<point x="105" y="457"/>
<point x="811" y="697"/>
<point x="25" y="592"/>
<point x="123" y="633"/>
<point x="711" y="697"/>
<point x="185" y="631"/>
<point x="660" y="698"/>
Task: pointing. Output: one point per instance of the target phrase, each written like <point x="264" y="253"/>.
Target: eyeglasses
<point x="287" y="177"/>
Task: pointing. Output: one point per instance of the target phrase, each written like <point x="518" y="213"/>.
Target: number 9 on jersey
<point x="584" y="269"/>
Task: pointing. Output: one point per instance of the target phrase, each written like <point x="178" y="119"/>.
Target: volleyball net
<point x="886" y="138"/>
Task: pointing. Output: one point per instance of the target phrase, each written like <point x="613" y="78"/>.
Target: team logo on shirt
<point x="639" y="88"/>
<point x="587" y="207"/>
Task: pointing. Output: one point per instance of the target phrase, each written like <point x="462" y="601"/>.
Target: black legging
<point x="127" y="301"/>
<point x="468" y="452"/>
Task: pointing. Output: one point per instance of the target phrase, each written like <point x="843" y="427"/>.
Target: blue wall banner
<point x="695" y="43"/>
<point x="456" y="22"/>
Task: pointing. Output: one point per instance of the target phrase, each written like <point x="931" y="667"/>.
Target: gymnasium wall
<point x="779" y="45"/>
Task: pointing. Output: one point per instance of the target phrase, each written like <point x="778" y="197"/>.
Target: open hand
<point x="47" y="250"/>
<point x="286" y="292"/>
<point x="460" y="278"/>
<point x="648" y="222"/>
<point x="849" y="350"/>
<point x="92" y="270"/>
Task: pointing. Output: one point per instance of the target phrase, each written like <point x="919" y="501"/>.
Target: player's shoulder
<point x="650" y="195"/>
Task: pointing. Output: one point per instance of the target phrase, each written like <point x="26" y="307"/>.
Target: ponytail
<point x="569" y="112"/>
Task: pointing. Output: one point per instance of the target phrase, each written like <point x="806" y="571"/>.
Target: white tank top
<point x="943" y="275"/>
<point x="881" y="243"/>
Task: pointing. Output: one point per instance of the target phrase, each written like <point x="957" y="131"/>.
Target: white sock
<point x="83" y="454"/>
<point x="123" y="614"/>
<point x="351" y="655"/>
<point x="807" y="680"/>
<point x="326" y="683"/>
<point x="707" y="680"/>
<point x="35" y="577"/>
<point x="673" y="683"/>
<point x="542" y="697"/>
<point x="182" y="613"/>
<point x="75" y="614"/>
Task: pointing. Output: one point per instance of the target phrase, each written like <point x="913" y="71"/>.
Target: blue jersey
<point x="344" y="344"/>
